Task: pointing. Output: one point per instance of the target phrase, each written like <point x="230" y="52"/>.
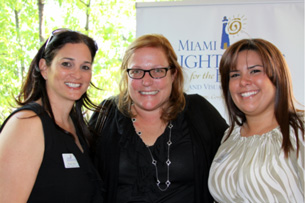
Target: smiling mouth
<point x="74" y="85"/>
<point x="248" y="94"/>
<point x="149" y="93"/>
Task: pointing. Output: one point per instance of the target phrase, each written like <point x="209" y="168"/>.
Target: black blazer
<point x="206" y="127"/>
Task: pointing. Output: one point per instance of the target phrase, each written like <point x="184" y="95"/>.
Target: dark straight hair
<point x="34" y="87"/>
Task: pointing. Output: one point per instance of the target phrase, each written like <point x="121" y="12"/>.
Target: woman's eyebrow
<point x="72" y="59"/>
<point x="250" y="67"/>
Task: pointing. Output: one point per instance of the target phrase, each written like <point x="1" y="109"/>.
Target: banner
<point x="201" y="32"/>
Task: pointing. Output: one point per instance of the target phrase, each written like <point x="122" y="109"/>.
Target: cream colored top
<point x="253" y="169"/>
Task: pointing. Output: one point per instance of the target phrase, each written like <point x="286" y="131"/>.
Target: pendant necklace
<point x="154" y="161"/>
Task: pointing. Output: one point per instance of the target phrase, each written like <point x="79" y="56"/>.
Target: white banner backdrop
<point x="200" y="32"/>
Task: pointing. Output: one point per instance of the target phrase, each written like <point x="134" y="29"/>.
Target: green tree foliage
<point x="18" y="38"/>
<point x="110" y="22"/>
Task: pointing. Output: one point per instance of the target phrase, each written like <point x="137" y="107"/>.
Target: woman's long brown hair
<point x="277" y="71"/>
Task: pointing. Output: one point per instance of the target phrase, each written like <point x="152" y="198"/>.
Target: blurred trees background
<point x="26" y="24"/>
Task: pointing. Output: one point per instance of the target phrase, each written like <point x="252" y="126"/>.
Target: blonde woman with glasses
<point x="157" y="142"/>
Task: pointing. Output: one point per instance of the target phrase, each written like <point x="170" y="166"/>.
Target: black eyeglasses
<point x="155" y="73"/>
<point x="54" y="33"/>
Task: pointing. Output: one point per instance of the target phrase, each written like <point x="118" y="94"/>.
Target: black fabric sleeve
<point x="207" y="127"/>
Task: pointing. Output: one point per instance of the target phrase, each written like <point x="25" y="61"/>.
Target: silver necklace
<point x="154" y="161"/>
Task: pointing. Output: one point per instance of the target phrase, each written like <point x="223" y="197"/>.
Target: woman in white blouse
<point x="261" y="158"/>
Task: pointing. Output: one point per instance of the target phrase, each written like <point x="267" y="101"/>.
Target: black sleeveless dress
<point x="66" y="174"/>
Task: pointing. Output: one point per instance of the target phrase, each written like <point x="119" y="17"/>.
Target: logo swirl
<point x="234" y="26"/>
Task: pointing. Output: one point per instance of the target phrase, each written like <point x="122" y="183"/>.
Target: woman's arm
<point x="21" y="154"/>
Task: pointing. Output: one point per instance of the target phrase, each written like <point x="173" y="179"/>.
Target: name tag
<point x="70" y="160"/>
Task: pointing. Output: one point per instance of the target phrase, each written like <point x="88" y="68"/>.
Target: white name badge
<point x="70" y="160"/>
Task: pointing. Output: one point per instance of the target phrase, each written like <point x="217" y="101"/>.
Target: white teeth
<point x="72" y="84"/>
<point x="248" y="94"/>
<point x="150" y="93"/>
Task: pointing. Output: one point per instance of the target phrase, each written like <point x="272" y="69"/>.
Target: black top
<point x="201" y="138"/>
<point x="77" y="181"/>
<point x="137" y="175"/>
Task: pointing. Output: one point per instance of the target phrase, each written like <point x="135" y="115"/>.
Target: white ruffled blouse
<point x="254" y="169"/>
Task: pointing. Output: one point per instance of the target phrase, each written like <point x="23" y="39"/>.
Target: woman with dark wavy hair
<point x="44" y="154"/>
<point x="157" y="143"/>
<point x="261" y="158"/>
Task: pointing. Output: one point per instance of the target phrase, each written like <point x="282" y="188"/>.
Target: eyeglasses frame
<point x="148" y="71"/>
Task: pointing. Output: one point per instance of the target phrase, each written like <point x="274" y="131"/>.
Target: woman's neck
<point x="147" y="116"/>
<point x="61" y="112"/>
<point x="258" y="125"/>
